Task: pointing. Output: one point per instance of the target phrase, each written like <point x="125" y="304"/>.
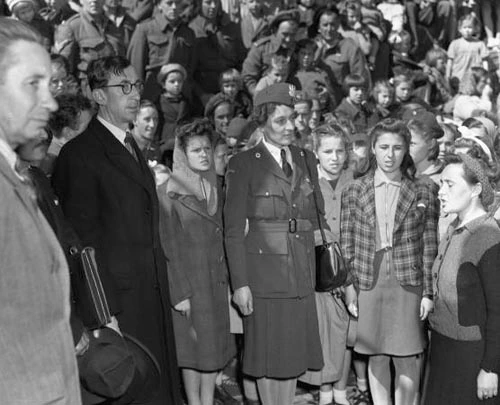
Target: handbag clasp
<point x="292" y="225"/>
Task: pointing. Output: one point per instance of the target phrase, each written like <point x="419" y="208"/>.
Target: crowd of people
<point x="203" y="149"/>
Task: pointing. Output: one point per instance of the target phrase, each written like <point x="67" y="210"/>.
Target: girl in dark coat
<point x="191" y="231"/>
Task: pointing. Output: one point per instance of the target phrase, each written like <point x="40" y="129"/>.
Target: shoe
<point x="361" y="398"/>
<point x="224" y="397"/>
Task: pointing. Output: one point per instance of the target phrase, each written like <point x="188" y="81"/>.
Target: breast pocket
<point x="94" y="48"/>
<point x="267" y="262"/>
<point x="268" y="201"/>
<point x="158" y="46"/>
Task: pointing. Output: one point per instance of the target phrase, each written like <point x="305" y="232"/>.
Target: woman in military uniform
<point x="270" y="221"/>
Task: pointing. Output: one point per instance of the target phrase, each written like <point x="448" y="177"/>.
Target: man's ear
<point x="99" y="96"/>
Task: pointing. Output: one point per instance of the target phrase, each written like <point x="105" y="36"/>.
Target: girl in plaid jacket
<point x="389" y="238"/>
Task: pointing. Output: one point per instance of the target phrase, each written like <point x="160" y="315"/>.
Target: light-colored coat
<point x="37" y="357"/>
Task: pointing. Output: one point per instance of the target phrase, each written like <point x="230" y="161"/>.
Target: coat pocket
<point x="267" y="262"/>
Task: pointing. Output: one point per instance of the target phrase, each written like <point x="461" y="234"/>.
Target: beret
<point x="169" y="68"/>
<point x="280" y="93"/>
<point x="214" y="102"/>
<point x="286" y="15"/>
<point x="13" y="3"/>
<point x="425" y="118"/>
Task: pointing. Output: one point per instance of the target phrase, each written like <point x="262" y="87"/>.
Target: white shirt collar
<point x="9" y="154"/>
<point x="276" y="152"/>
<point x="117" y="132"/>
<point x="381" y="178"/>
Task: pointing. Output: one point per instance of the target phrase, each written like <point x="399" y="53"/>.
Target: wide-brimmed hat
<point x="117" y="368"/>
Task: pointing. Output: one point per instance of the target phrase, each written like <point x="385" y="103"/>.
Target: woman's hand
<point x="351" y="300"/>
<point x="242" y="297"/>
<point x="184" y="307"/>
<point x="426" y="307"/>
<point x="487" y="384"/>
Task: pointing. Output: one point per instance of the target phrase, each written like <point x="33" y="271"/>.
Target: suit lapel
<point x="406" y="196"/>
<point x="120" y="156"/>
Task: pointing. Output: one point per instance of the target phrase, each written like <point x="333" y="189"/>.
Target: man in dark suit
<point x="108" y="194"/>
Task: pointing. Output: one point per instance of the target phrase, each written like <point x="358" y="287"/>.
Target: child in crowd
<point x="231" y="84"/>
<point x="383" y="97"/>
<point x="403" y="93"/>
<point x="302" y="109"/>
<point x="309" y="77"/>
<point x="438" y="90"/>
<point x="468" y="51"/>
<point x="25" y="11"/>
<point x="173" y="106"/>
<point x="354" y="28"/>
<point x="353" y="105"/>
<point x="277" y="73"/>
<point x="254" y="22"/>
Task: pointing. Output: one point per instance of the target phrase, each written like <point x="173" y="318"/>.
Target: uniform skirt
<point x="333" y="322"/>
<point x="453" y="369"/>
<point x="389" y="314"/>
<point x="281" y="338"/>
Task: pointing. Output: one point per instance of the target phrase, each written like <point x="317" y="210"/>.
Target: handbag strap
<point x="323" y="236"/>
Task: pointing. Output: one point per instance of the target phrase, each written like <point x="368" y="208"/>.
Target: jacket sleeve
<point x="76" y="185"/>
<point x="138" y="51"/>
<point x="347" y="218"/>
<point x="235" y="215"/>
<point x="430" y="238"/>
<point x="65" y="44"/>
<point x="172" y="242"/>
<point x="252" y="68"/>
<point x="490" y="280"/>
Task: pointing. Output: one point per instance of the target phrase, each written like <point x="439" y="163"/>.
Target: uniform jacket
<point x="273" y="263"/>
<point x="38" y="364"/>
<point x="258" y="60"/>
<point x="110" y="199"/>
<point x="251" y="33"/>
<point x="359" y="115"/>
<point x="156" y="42"/>
<point x="219" y="47"/>
<point x="414" y="240"/>
<point x="139" y="10"/>
<point x="81" y="40"/>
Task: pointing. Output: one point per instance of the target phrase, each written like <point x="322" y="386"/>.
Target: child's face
<point x="278" y="74"/>
<point x="356" y="94"/>
<point x="306" y="58"/>
<point x="302" y="117"/>
<point x="441" y="65"/>
<point x="403" y="91"/>
<point x="352" y="18"/>
<point x="384" y="98"/>
<point x="467" y="30"/>
<point x="173" y="83"/>
<point x="254" y="6"/>
<point x="24" y="11"/>
<point x="230" y="89"/>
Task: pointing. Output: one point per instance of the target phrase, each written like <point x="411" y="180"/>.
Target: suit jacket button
<point x="297" y="236"/>
<point x="260" y="251"/>
<point x="267" y="193"/>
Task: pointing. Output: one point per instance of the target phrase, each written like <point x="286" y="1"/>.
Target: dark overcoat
<point x="197" y="265"/>
<point x="110" y="199"/>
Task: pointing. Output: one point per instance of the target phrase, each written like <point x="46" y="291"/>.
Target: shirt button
<point x="435" y="275"/>
<point x="267" y="193"/>
<point x="294" y="205"/>
<point x="260" y="251"/>
<point x="297" y="236"/>
<point x="217" y="230"/>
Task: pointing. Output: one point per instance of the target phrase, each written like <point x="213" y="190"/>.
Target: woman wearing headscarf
<point x="191" y="233"/>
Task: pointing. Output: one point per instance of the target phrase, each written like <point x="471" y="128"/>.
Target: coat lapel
<point x="298" y="161"/>
<point x="406" y="196"/>
<point x="367" y="200"/>
<point x="120" y="156"/>
<point x="192" y="203"/>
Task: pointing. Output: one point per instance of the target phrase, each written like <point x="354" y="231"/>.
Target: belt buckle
<point x="292" y="225"/>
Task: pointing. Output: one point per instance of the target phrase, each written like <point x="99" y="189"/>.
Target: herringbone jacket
<point x="414" y="240"/>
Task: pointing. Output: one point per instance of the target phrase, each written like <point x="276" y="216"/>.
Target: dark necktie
<point x="287" y="168"/>
<point x="129" y="145"/>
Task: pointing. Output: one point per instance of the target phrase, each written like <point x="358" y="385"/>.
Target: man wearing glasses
<point x="108" y="194"/>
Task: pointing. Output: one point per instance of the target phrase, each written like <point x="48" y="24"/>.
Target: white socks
<point x="362" y="384"/>
<point x="325" y="398"/>
<point x="340" y="397"/>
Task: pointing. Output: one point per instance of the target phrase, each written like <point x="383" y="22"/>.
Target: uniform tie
<point x="129" y="139"/>
<point x="287" y="168"/>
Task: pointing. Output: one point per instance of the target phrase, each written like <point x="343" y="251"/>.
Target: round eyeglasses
<point x="127" y="86"/>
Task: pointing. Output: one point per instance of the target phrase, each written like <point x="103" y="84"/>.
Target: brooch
<point x="257" y="155"/>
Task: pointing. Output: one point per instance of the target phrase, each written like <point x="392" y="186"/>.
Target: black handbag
<point x="331" y="270"/>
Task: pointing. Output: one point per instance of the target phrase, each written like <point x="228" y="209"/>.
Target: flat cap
<point x="280" y="93"/>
